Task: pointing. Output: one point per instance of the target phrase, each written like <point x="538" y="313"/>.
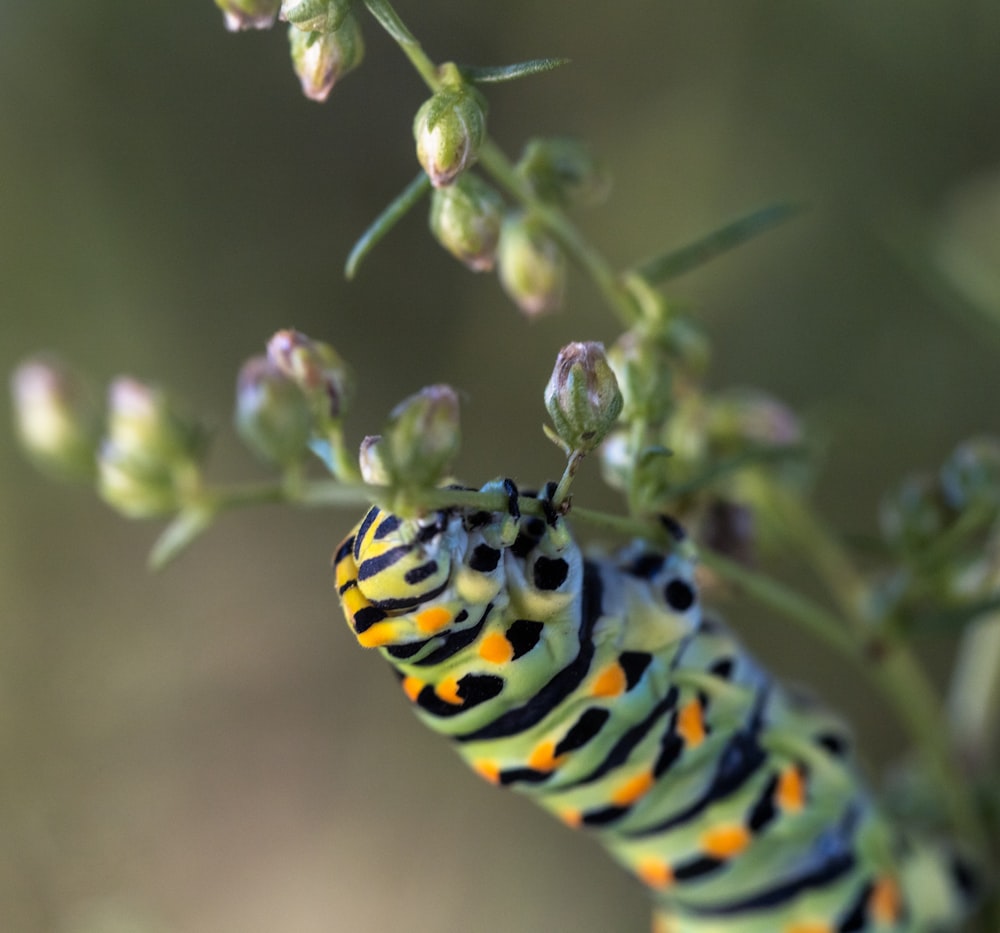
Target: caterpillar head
<point x="390" y="573"/>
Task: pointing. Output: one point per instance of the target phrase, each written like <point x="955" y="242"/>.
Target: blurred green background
<point x="207" y="750"/>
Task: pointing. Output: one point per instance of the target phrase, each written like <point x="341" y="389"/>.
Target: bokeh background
<point x="207" y="750"/>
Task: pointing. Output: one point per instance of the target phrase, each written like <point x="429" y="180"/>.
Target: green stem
<point x="566" y="480"/>
<point x="825" y="554"/>
<point x="389" y="20"/>
<point x="823" y="624"/>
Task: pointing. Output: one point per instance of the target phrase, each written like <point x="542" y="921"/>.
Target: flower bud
<point x="57" y="417"/>
<point x="641" y="363"/>
<point x="564" y="171"/>
<point x="449" y="129"/>
<point x="272" y="414"/>
<point x="248" y="14"/>
<point x="322" y="59"/>
<point x="582" y="396"/>
<point x="317" y="369"/>
<point x="913" y="515"/>
<point x="532" y="266"/>
<point x="971" y="474"/>
<point x="421" y="438"/>
<point x="465" y="219"/>
<point x="315" y="15"/>
<point x="372" y="462"/>
<point x="148" y="461"/>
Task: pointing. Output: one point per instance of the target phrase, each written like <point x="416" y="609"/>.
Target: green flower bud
<point x="582" y="396"/>
<point x="421" y="438"/>
<point x="563" y="170"/>
<point x="532" y="265"/>
<point x="317" y="369"/>
<point x="57" y="417"/>
<point x="315" y="15"/>
<point x="449" y="129"/>
<point x="322" y="59"/>
<point x="914" y="515"/>
<point x="372" y="462"/>
<point x="273" y="415"/>
<point x="971" y="475"/>
<point x="641" y="363"/>
<point x="465" y="219"/>
<point x="148" y="462"/>
<point x="248" y="14"/>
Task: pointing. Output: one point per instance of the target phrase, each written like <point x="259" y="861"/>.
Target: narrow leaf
<point x="385" y="221"/>
<point x="675" y="263"/>
<point x="187" y="526"/>
<point x="494" y="74"/>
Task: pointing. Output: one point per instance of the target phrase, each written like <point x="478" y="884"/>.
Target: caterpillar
<point x="599" y="687"/>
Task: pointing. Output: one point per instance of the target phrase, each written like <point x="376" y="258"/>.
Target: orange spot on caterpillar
<point x="723" y="842"/>
<point x="487" y="770"/>
<point x="663" y="924"/>
<point x="610" y="682"/>
<point x="543" y="757"/>
<point x="629" y="792"/>
<point x="412" y="687"/>
<point x="447" y="690"/>
<point x="809" y="927"/>
<point x="432" y="620"/>
<point x="496" y="649"/>
<point x="572" y="818"/>
<point x="381" y="633"/>
<point x="885" y="903"/>
<point x="791" y="792"/>
<point x="691" y="724"/>
<point x="655" y="873"/>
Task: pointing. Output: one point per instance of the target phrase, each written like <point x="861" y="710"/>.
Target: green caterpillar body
<point x="599" y="687"/>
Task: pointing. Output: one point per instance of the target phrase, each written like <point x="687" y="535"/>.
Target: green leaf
<point x="677" y="262"/>
<point x="494" y="74"/>
<point x="385" y="221"/>
<point x="187" y="526"/>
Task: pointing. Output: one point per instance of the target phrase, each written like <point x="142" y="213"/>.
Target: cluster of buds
<point x="468" y="216"/>
<point x="926" y="508"/>
<point x="715" y="461"/>
<point x="324" y="35"/>
<point x="149" y="462"/>
<point x="418" y="443"/>
<point x="291" y="398"/>
<point x="145" y="454"/>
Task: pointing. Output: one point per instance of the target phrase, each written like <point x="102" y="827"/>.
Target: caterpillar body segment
<point x="599" y="687"/>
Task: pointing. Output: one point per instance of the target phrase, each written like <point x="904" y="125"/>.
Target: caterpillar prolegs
<point x="599" y="687"/>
